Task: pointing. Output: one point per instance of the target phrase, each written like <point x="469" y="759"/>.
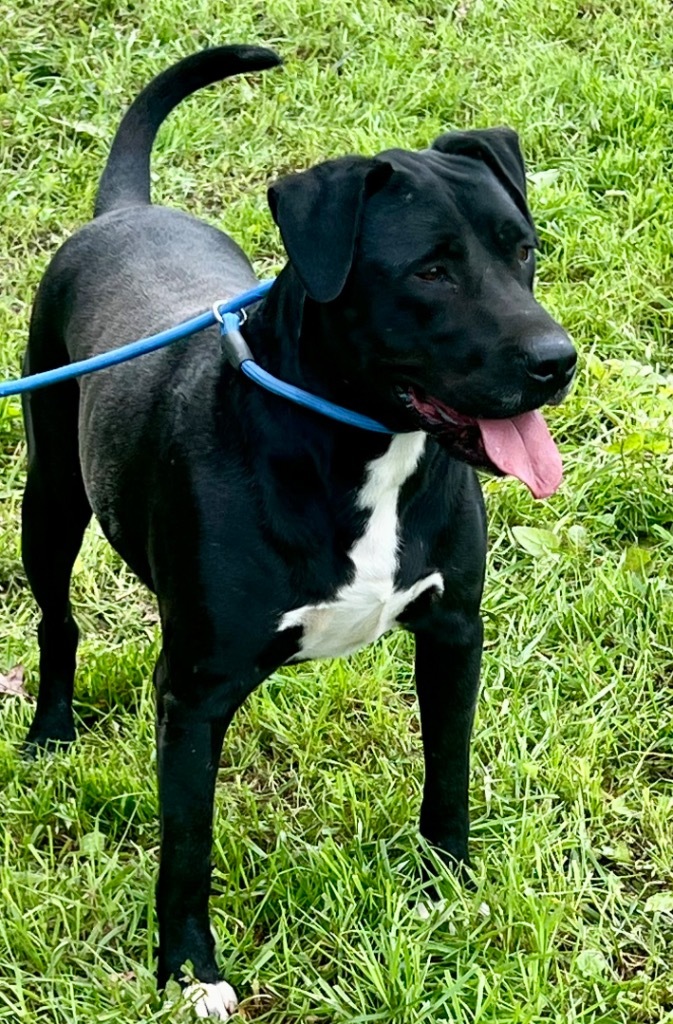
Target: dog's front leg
<point x="188" y="753"/>
<point x="448" y="660"/>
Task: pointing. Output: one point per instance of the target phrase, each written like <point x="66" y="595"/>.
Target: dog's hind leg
<point x="55" y="514"/>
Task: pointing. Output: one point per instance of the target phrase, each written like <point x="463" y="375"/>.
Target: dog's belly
<point x="369" y="604"/>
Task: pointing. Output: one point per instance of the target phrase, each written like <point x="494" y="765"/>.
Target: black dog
<point x="269" y="533"/>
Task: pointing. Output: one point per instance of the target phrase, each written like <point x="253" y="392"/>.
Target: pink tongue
<point x="524" y="448"/>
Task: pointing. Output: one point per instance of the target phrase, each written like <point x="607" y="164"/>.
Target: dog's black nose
<point x="551" y="359"/>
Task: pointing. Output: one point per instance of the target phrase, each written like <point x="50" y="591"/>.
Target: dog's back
<point x="133" y="270"/>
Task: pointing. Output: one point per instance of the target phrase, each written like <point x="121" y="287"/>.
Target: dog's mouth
<point x="520" y="446"/>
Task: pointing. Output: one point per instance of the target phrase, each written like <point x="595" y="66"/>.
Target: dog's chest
<point x="369" y="604"/>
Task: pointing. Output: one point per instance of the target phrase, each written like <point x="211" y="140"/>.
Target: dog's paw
<point x="49" y="734"/>
<point x="34" y="747"/>
<point x="436" y="862"/>
<point x="212" y="1000"/>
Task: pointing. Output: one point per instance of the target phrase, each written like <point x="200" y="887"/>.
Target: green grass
<point x="316" y="849"/>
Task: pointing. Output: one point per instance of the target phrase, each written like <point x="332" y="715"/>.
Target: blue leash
<point x="132" y="350"/>
<point x="230" y="315"/>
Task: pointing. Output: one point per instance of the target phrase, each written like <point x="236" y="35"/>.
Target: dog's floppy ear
<point x="499" y="149"/>
<point x="319" y="213"/>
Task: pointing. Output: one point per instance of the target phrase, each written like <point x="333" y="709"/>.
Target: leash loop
<point x="234" y="344"/>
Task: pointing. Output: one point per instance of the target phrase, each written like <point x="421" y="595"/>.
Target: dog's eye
<point x="432" y="274"/>
<point x="523" y="253"/>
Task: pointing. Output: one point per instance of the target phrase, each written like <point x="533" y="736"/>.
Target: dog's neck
<point x="287" y="335"/>
<point x="284" y="335"/>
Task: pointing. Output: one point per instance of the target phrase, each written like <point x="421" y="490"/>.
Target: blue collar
<point x="239" y="355"/>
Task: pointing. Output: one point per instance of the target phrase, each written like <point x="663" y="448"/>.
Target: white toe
<point x="428" y="908"/>
<point x="218" y="1000"/>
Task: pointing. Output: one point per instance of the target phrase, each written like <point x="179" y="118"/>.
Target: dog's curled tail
<point x="126" y="178"/>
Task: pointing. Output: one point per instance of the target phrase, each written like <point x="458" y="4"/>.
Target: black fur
<point x="235" y="506"/>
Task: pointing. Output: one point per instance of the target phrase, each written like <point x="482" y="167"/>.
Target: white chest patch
<point x="369" y="605"/>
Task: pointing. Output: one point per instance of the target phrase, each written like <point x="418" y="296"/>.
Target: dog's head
<point x="420" y="266"/>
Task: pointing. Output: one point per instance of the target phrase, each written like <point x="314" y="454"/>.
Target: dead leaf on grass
<point x="124" y="976"/>
<point x="12" y="683"/>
